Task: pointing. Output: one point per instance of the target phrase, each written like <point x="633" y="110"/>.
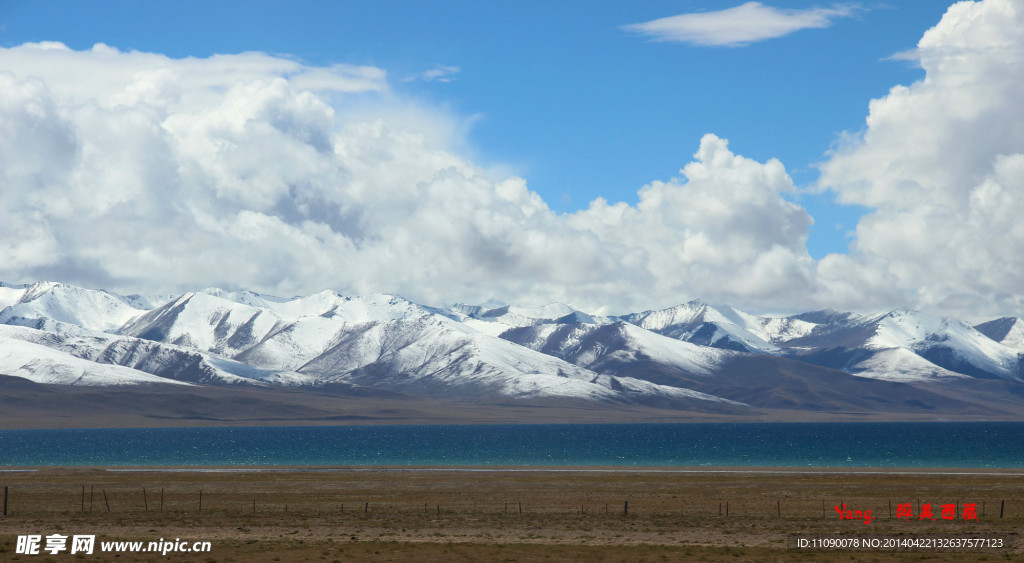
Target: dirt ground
<point x="509" y="514"/>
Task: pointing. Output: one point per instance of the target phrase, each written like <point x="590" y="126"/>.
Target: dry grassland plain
<point x="508" y="514"/>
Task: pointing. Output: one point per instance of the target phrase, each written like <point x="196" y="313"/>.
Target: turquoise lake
<point x="936" y="444"/>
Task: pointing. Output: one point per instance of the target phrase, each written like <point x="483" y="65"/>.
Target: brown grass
<point x="444" y="515"/>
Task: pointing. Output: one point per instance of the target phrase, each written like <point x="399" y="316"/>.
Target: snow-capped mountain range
<point x="692" y="357"/>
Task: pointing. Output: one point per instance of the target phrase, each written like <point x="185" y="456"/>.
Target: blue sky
<point x="614" y="156"/>
<point x="558" y="91"/>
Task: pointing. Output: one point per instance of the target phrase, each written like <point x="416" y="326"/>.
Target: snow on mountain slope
<point x="683" y="355"/>
<point x="490" y="352"/>
<point x="378" y="307"/>
<point x="932" y="347"/>
<point x="900" y="364"/>
<point x="233" y="372"/>
<point x="317" y="304"/>
<point x="325" y="304"/>
<point x="949" y="343"/>
<point x="432" y="352"/>
<point x="371" y="307"/>
<point x="824" y="317"/>
<point x="590" y="346"/>
<point x="1008" y="331"/>
<point x="720" y="327"/>
<point x="166" y="361"/>
<point x="903" y="328"/>
<point x="510" y="317"/>
<point x="41" y="364"/>
<point x="10" y="294"/>
<point x="245" y="297"/>
<point x="292" y="344"/>
<point x="88" y="308"/>
<point x="485" y="327"/>
<point x="148" y="302"/>
<point x="265" y="332"/>
<point x="434" y="356"/>
<point x="783" y="329"/>
<point x="204" y="322"/>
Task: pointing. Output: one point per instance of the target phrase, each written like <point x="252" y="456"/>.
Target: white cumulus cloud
<point x="740" y="25"/>
<point x="136" y="171"/>
<point x="130" y="170"/>
<point x="941" y="162"/>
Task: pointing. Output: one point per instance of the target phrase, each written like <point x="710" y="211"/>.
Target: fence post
<point x="83" y="498"/>
<point x="625" y="508"/>
<point x="145" y="501"/>
<point x="105" y="501"/>
<point x="5" y="500"/>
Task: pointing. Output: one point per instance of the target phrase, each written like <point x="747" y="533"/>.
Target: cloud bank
<point x="942" y="163"/>
<point x="128" y="170"/>
<point x="738" y="26"/>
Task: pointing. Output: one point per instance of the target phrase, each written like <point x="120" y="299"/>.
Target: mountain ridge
<point x="690" y="358"/>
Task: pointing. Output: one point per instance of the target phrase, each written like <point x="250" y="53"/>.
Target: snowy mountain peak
<point x="89" y="308"/>
<point x="902" y="327"/>
<point x="661" y="319"/>
<point x="948" y="343"/>
<point x="905" y="327"/>
<point x="825" y="317"/>
<point x="384" y="342"/>
<point x="509" y="316"/>
<point x="39" y="288"/>
<point x="720" y="327"/>
<point x="377" y="307"/>
<point x="317" y="304"/>
<point x="547" y="312"/>
<point x="244" y="297"/>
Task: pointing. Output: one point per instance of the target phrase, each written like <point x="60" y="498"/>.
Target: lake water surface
<point x="937" y="444"/>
